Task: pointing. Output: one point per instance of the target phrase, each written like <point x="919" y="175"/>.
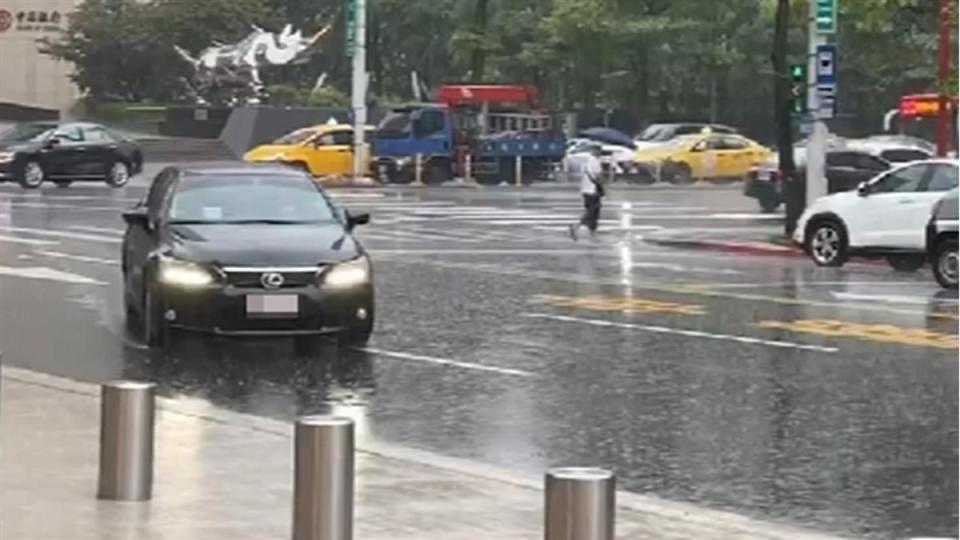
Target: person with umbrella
<point x="589" y="170"/>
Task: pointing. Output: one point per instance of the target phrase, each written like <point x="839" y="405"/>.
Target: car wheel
<point x="437" y="173"/>
<point x="118" y="174"/>
<point x="905" y="263"/>
<point x="155" y="328"/>
<point x="32" y="175"/>
<point x="63" y="184"/>
<point x="769" y="205"/>
<point x="679" y="174"/>
<point x="826" y="243"/>
<point x="945" y="263"/>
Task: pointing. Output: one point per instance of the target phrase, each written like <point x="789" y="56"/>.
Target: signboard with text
<point x="31" y="21"/>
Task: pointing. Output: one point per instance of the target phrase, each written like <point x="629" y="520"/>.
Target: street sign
<point x="350" y="32"/>
<point x="826" y="64"/>
<point x="827" y="98"/>
<point x="826" y="16"/>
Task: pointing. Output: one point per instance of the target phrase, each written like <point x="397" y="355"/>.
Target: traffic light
<point x="826" y="16"/>
<point x="798" y="88"/>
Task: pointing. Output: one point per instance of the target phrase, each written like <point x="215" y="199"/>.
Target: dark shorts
<point x="591" y="211"/>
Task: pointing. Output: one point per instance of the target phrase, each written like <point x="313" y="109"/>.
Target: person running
<point x="590" y="170"/>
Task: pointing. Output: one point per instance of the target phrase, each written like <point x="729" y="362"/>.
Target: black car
<point x="941" y="236"/>
<point x="63" y="153"/>
<point x="244" y="250"/>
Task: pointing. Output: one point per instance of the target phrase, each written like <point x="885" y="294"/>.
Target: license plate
<point x="273" y="305"/>
<point x="763" y="176"/>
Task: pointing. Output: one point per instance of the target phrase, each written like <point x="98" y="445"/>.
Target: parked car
<point x="705" y="156"/>
<point x="848" y="163"/>
<point x="244" y="250"/>
<point x="323" y="150"/>
<point x="885" y="216"/>
<point x="657" y="134"/>
<point x="34" y="153"/>
<point x="942" y="240"/>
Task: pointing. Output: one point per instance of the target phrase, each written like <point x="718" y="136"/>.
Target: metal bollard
<point x="323" y="479"/>
<point x="580" y="504"/>
<point x="418" y="169"/>
<point x="467" y="168"/>
<point x="518" y="171"/>
<point x="126" y="441"/>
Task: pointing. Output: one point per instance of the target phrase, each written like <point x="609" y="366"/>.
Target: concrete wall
<point x="26" y="76"/>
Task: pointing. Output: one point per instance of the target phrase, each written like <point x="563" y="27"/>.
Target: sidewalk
<point x="226" y="476"/>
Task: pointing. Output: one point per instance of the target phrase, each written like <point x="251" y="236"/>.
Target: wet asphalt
<point x="825" y="398"/>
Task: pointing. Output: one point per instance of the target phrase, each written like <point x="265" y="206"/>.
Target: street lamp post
<point x="359" y="86"/>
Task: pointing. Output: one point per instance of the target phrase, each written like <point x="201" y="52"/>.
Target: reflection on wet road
<point x="822" y="397"/>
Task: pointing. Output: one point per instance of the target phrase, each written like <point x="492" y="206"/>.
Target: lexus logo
<point x="271" y="280"/>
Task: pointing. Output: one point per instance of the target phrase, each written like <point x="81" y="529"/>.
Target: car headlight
<point x="7" y="157"/>
<point x="184" y="274"/>
<point x="348" y="274"/>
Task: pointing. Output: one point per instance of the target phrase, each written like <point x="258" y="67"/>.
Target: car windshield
<point x="279" y="199"/>
<point x="395" y="125"/>
<point x="28" y="133"/>
<point x="296" y="137"/>
<point x="656" y="133"/>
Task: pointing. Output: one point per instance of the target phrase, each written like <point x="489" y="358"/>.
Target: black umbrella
<point x="609" y="136"/>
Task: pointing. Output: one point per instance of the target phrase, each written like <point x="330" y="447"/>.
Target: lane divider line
<point x="682" y="332"/>
<point x="446" y="362"/>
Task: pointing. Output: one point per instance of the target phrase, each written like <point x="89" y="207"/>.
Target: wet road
<point x="820" y="397"/>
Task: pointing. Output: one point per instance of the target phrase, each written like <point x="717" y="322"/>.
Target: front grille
<point x="252" y="279"/>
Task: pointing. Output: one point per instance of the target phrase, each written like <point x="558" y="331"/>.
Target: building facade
<point x="28" y="77"/>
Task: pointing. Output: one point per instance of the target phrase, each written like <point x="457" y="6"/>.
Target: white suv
<point x="884" y="216"/>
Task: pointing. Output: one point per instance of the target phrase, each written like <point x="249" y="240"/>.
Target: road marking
<point x="42" y="272"/>
<point x="27" y="241"/>
<point x="884" y="298"/>
<point x="455" y="251"/>
<point x="80" y="258"/>
<point x="682" y="332"/>
<point x="64" y="234"/>
<point x="884" y="333"/>
<point x="105" y="230"/>
<point x="621" y="304"/>
<point x="445" y="362"/>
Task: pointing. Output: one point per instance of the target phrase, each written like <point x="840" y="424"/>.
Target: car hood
<point x="268" y="152"/>
<point x="19" y="147"/>
<point x="262" y="245"/>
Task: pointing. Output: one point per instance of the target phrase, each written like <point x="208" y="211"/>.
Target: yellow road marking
<point x="621" y="304"/>
<point x="885" y="333"/>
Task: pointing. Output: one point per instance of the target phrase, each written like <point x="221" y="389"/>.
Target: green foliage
<point x="657" y="59"/>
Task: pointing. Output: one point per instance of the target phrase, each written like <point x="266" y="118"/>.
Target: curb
<point x="745" y="248"/>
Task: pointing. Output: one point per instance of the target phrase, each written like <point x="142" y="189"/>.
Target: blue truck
<point x="488" y="132"/>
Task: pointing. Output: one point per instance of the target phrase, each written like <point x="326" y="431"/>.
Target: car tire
<point x="768" y="205"/>
<point x="826" y="243"/>
<point x="31" y="175"/>
<point x="156" y="331"/>
<point x="905" y="263"/>
<point x="436" y="174"/>
<point x="63" y="184"/>
<point x="945" y="263"/>
<point x="679" y="174"/>
<point x="118" y="174"/>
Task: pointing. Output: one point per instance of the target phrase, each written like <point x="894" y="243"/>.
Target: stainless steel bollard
<point x="467" y="168"/>
<point x="580" y="504"/>
<point x="518" y="171"/>
<point x="126" y="441"/>
<point x="323" y="479"/>
<point x="418" y="169"/>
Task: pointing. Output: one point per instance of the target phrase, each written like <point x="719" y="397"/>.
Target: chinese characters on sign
<point x="31" y="21"/>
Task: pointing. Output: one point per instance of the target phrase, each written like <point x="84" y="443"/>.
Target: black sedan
<point x="63" y="153"/>
<point x="244" y="250"/>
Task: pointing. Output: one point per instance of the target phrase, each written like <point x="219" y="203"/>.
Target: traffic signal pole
<point x="944" y="110"/>
<point x="816" y="182"/>
<point x="359" y="86"/>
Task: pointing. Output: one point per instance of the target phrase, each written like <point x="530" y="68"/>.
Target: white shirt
<point x="591" y="172"/>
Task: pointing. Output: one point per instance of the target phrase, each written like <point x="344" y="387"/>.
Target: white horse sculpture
<point x="260" y="48"/>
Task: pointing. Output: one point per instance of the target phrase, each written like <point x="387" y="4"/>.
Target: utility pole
<point x="823" y="21"/>
<point x="359" y="83"/>
<point x="944" y="111"/>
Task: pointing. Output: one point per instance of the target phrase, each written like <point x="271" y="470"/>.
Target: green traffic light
<point x="798" y="72"/>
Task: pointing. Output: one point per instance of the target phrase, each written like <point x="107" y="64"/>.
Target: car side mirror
<point x="863" y="189"/>
<point x="52" y="142"/>
<point x="357" y="219"/>
<point x="138" y="217"/>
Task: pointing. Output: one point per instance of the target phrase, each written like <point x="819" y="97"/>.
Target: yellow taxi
<point x="705" y="156"/>
<point x="322" y="150"/>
